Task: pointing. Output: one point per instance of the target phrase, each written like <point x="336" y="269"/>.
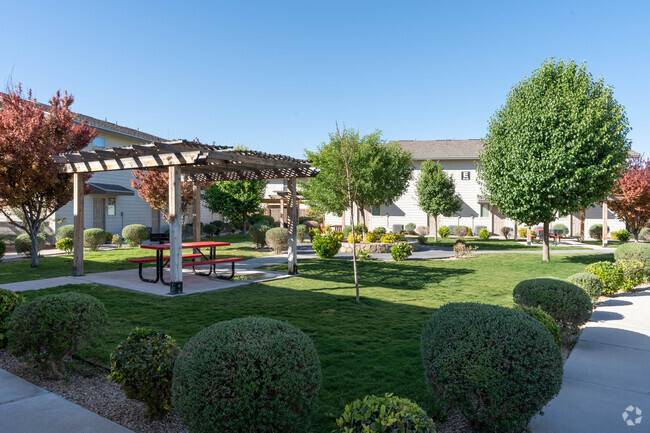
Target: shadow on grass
<point x="587" y="259"/>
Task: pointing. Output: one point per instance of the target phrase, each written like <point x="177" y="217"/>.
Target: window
<point x="99" y="142"/>
<point x="111" y="206"/>
<point x="376" y="211"/>
<point x="464" y="175"/>
<point x="485" y="210"/>
<point x="285" y="184"/>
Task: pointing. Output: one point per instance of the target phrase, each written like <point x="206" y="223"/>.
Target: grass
<point x="367" y="348"/>
<point x="610" y="243"/>
<point x="495" y="244"/>
<point x="99" y="261"/>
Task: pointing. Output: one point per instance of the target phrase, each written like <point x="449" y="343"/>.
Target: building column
<point x="175" y="231"/>
<point x="293" y="228"/>
<point x="605" y="223"/>
<point x="79" y="186"/>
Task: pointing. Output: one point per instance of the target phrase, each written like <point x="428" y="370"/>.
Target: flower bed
<point x="375" y="247"/>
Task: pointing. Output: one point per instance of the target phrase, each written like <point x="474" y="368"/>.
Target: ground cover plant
<point x="367" y="348"/>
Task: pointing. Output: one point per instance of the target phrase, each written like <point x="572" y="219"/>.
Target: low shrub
<point x="401" y="251"/>
<point x="8" y="303"/>
<point x="117" y="240"/>
<point x="497" y="365"/>
<point x="278" y="239"/>
<point x="384" y="414"/>
<point x="357" y="237"/>
<point x="23" y="243"/>
<point x="460" y="248"/>
<point x="313" y="233"/>
<point x="386" y="239"/>
<point x="93" y="238"/>
<point x="66" y="231"/>
<point x="219" y="225"/>
<point x="621" y="235"/>
<point x="410" y="228"/>
<point x="143" y="366"/>
<point x="422" y="240"/>
<point x="422" y="231"/>
<point x="610" y="274"/>
<point x="379" y="231"/>
<point x="248" y="374"/>
<point x="522" y="232"/>
<point x="444" y="231"/>
<point x="484" y="234"/>
<point x="596" y="231"/>
<point x="634" y="251"/>
<point x="460" y="231"/>
<point x="336" y="235"/>
<point x="209" y="229"/>
<point x="590" y="283"/>
<point x="301" y="232"/>
<point x="65" y="244"/>
<point x="3" y="249"/>
<point x="135" y="234"/>
<point x="109" y="238"/>
<point x="546" y="320"/>
<point x="327" y="245"/>
<point x="633" y="273"/>
<point x="51" y="328"/>
<point x="371" y="237"/>
<point x="565" y="302"/>
<point x="564" y="230"/>
<point x="257" y="234"/>
<point x="506" y="232"/>
<point x="363" y="254"/>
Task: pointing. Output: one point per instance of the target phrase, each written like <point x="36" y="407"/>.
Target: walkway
<point x="606" y="384"/>
<point x="27" y="408"/>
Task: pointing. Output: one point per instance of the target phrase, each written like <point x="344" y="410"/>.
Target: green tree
<point x="555" y="147"/>
<point x="235" y="199"/>
<point x="436" y="192"/>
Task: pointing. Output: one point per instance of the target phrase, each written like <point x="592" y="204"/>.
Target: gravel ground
<point x="88" y="388"/>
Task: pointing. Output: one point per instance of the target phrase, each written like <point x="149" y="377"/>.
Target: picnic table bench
<point x="552" y="233"/>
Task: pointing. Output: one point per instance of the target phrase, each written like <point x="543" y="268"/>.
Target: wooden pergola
<point x="185" y="161"/>
<point x="283" y="198"/>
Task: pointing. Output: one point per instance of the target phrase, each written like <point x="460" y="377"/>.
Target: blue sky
<point x="276" y="76"/>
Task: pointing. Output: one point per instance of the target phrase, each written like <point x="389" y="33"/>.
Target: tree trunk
<point x="363" y="217"/>
<point x="546" y="248"/>
<point x="33" y="236"/>
<point x="354" y="254"/>
<point x="435" y="226"/>
<point x="583" y="216"/>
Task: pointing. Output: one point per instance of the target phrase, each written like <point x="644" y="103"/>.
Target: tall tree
<point x="633" y="189"/>
<point x="235" y="199"/>
<point x="436" y="192"/>
<point x="153" y="187"/>
<point x="556" y="146"/>
<point x="29" y="179"/>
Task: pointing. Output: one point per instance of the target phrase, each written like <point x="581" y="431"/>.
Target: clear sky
<point x="276" y="75"/>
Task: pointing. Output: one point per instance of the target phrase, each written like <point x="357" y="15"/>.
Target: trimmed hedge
<point x="66" y="231"/>
<point x="278" y="239"/>
<point x="596" y="231"/>
<point x="257" y="234"/>
<point x="301" y="232"/>
<point x="562" y="227"/>
<point x="589" y="282"/>
<point x="546" y="320"/>
<point x="497" y="365"/>
<point x="135" y="234"/>
<point x="93" y="238"/>
<point x="384" y="414"/>
<point x="610" y="274"/>
<point x="209" y="229"/>
<point x="8" y="303"/>
<point x="410" y="228"/>
<point x="23" y="243"/>
<point x="401" y="251"/>
<point x="326" y="245"/>
<point x="484" y="234"/>
<point x="568" y="304"/>
<point x="249" y="374"/>
<point x="444" y="231"/>
<point x="633" y="273"/>
<point x="634" y="251"/>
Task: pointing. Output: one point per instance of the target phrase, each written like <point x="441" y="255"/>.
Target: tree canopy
<point x="436" y="192"/>
<point x="153" y="187"/>
<point x="235" y="199"/>
<point x="555" y="147"/>
<point x="29" y="179"/>
<point x="633" y="193"/>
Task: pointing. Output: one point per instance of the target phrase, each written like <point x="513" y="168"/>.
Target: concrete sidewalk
<point x="27" y="408"/>
<point x="606" y="383"/>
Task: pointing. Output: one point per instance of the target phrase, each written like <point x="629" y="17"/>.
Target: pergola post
<point x="78" y="210"/>
<point x="196" y="211"/>
<point x="175" y="231"/>
<point x="292" y="212"/>
<point x="605" y="223"/>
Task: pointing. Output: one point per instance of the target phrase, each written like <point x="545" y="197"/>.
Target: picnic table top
<point x="202" y="244"/>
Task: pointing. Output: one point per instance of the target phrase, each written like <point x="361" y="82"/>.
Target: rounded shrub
<point x="401" y="251"/>
<point x="49" y="329"/>
<point x="209" y="229"/>
<point x="278" y="239"/>
<point x="8" y="303"/>
<point x="546" y="320"/>
<point x="65" y="244"/>
<point x="326" y="245"/>
<point x="564" y="230"/>
<point x="258" y="234"/>
<point x="23" y="243"/>
<point x="66" y="231"/>
<point x="379" y="231"/>
<point x="143" y="366"/>
<point x="506" y="232"/>
<point x="497" y="365"/>
<point x="363" y="254"/>
<point x="410" y="228"/>
<point x="596" y="232"/>
<point x="422" y="231"/>
<point x="610" y="274"/>
<point x="109" y="238"/>
<point x="621" y="235"/>
<point x="93" y="238"/>
<point x="460" y="231"/>
<point x="301" y="232"/>
<point x="371" y="237"/>
<point x="357" y="237"/>
<point x="384" y="414"/>
<point x="117" y="240"/>
<point x="249" y="374"/>
<point x="633" y="273"/>
<point x="522" y="232"/>
<point x="3" y="249"/>
<point x="568" y="304"/>
<point x="135" y="234"/>
<point x="634" y="251"/>
<point x="484" y="234"/>
<point x="589" y="283"/>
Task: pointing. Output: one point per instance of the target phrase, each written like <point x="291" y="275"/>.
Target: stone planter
<point x="375" y="247"/>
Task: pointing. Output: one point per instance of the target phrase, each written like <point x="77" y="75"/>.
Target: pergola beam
<point x="136" y="162"/>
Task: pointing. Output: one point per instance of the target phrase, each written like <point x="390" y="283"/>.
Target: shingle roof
<point x="442" y="149"/>
<point x="118" y="129"/>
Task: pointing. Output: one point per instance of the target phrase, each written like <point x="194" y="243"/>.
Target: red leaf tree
<point x="29" y="179"/>
<point x="153" y="187"/>
<point x="633" y="187"/>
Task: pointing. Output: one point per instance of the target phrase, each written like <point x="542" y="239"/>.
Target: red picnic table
<point x="552" y="233"/>
<point x="210" y="260"/>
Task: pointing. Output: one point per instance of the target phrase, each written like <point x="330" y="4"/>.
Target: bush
<point x="357" y="237"/>
<point x="590" y="283"/>
<point x="93" y="238"/>
<point x="257" y="234"/>
<point x="371" y="237"/>
<point x="313" y="233"/>
<point x="117" y="240"/>
<point x="51" y="328"/>
<point x="621" y="235"/>
<point x="358" y="229"/>
<point x="522" y="232"/>
<point x="565" y="302"/>
<point x="422" y="231"/>
<point x="8" y="303"/>
<point x="422" y="240"/>
<point x="3" y="249"/>
<point x="460" y="231"/>
<point x="444" y="231"/>
<point x="506" y="231"/>
<point x="66" y="231"/>
<point x="109" y="238"/>
<point x="23" y="243"/>
<point x="219" y="225"/>
<point x="386" y="239"/>
<point x="384" y="414"/>
<point x="265" y="219"/>
<point x="410" y="228"/>
<point x="209" y="229"/>
<point x="278" y="239"/>
<point x="135" y="234"/>
<point x="596" y="231"/>
<point x="379" y="231"/>
<point x="143" y="366"/>
<point x="645" y="234"/>
<point x="65" y="244"/>
<point x="546" y="320"/>
<point x="634" y="251"/>
<point x="363" y="254"/>
<point x="249" y="374"/>
<point x="401" y="251"/>
<point x="633" y="273"/>
<point x="497" y="365"/>
<point x="301" y="232"/>
<point x="460" y="248"/>
<point x="327" y="245"/>
<point x="310" y="224"/>
<point x="564" y="229"/>
<point x="484" y="234"/>
<point x="610" y="274"/>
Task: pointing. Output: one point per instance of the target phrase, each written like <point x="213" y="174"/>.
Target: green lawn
<point x="99" y="261"/>
<point x="368" y="348"/>
<point x="496" y="244"/>
<point x="610" y="243"/>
